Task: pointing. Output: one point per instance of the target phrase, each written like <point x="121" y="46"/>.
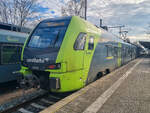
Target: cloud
<point x="142" y="37"/>
<point x="134" y="14"/>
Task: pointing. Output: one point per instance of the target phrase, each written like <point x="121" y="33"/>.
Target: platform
<point x="125" y="90"/>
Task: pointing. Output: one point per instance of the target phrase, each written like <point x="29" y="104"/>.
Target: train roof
<point x="89" y="27"/>
<point x="16" y="28"/>
<point x="93" y="29"/>
<point x="12" y="37"/>
<point x="58" y="19"/>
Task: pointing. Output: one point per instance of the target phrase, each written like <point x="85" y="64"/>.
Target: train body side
<point x="10" y="51"/>
<point x="110" y="53"/>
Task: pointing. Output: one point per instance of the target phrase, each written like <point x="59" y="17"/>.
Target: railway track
<point x="32" y="103"/>
<point x="39" y="104"/>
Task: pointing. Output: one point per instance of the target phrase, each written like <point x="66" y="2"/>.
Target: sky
<point x="134" y="14"/>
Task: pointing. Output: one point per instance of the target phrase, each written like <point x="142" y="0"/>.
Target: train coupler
<point x="29" y="81"/>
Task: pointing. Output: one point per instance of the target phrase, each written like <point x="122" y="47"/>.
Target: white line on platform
<point x="95" y="106"/>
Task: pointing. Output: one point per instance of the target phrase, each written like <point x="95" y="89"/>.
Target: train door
<point x="132" y="53"/>
<point x="88" y="53"/>
<point x="119" y="55"/>
<point x="116" y="56"/>
<point x="122" y="55"/>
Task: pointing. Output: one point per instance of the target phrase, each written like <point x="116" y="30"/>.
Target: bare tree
<point x="17" y="12"/>
<point x="73" y="7"/>
<point x="3" y="11"/>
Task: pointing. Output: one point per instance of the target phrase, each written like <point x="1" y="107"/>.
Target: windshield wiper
<point x="57" y="37"/>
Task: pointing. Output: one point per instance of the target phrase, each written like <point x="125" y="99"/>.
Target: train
<point x="11" y="43"/>
<point x="65" y="54"/>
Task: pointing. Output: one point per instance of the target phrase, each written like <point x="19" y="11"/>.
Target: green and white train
<point x="65" y="54"/>
<point x="11" y="43"/>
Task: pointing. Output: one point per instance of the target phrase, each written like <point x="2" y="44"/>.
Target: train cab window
<point x="10" y="54"/>
<point x="91" y="43"/>
<point x="47" y="35"/>
<point x="80" y="42"/>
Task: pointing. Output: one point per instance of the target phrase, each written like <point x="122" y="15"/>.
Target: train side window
<point x="109" y="51"/>
<point x="129" y="53"/>
<point x="80" y="42"/>
<point x="10" y="54"/>
<point x="91" y="43"/>
<point x="115" y="51"/>
<point x="123" y="51"/>
<point x="126" y="51"/>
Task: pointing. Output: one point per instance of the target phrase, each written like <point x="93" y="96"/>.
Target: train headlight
<point x="54" y="66"/>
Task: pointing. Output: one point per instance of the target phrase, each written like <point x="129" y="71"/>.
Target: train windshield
<point x="48" y="35"/>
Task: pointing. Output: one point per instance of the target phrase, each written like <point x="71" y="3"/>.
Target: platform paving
<point x="125" y="90"/>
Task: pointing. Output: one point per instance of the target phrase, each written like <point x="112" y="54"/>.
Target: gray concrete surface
<point x="132" y="96"/>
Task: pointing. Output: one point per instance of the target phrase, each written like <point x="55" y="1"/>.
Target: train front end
<point x="40" y="53"/>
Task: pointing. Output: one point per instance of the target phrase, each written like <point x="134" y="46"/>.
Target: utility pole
<point x="85" y="10"/>
<point x="100" y="22"/>
<point x="124" y="34"/>
<point x="120" y="29"/>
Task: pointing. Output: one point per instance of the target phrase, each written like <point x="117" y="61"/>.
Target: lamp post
<point x="85" y="13"/>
